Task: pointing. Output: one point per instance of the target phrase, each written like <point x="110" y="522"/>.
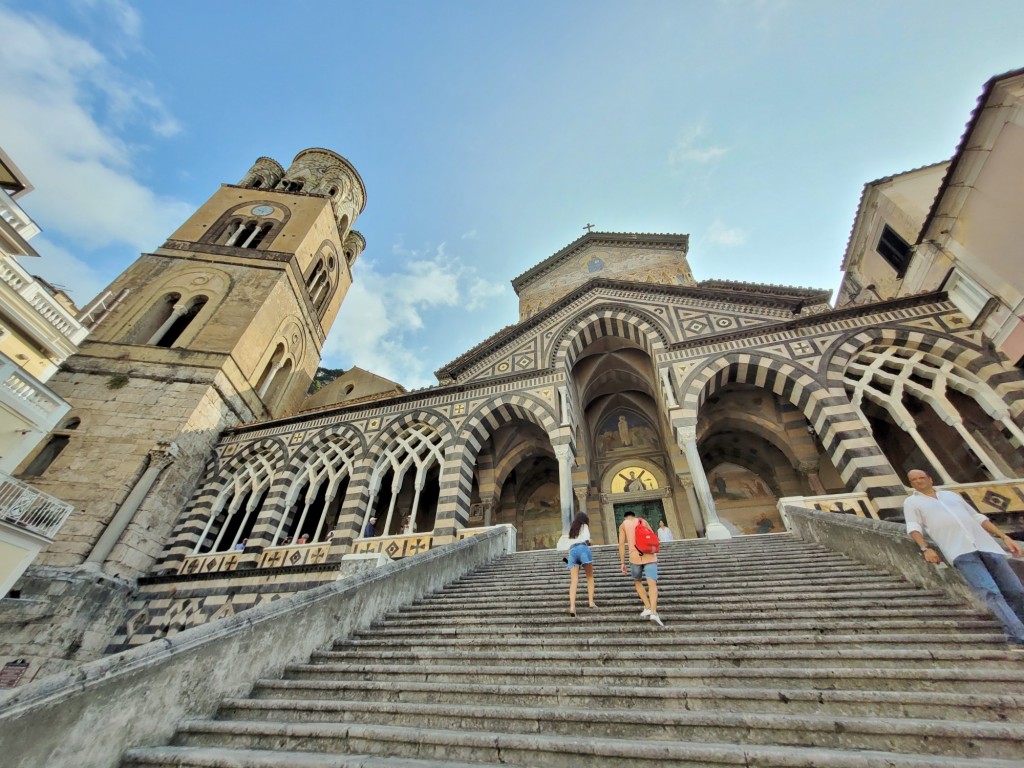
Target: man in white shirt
<point x="964" y="536"/>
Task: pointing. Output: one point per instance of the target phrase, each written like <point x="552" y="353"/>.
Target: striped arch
<point x="327" y="457"/>
<point x="425" y="416"/>
<point x="457" y="473"/>
<point x="843" y="434"/>
<point x="1005" y="380"/>
<point x="607" y="320"/>
<point x="209" y="499"/>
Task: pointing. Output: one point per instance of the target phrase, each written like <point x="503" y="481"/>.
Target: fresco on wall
<point x="633" y="479"/>
<point x="542" y="519"/>
<point x="744" y="501"/>
<point x="624" y="431"/>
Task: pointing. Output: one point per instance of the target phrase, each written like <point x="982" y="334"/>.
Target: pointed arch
<point x="842" y="432"/>
<point x="603" y="320"/>
<point x="457" y="474"/>
<point x="237" y="495"/>
<point x="317" y="470"/>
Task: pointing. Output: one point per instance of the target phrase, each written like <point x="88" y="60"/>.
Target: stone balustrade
<point x="41" y="302"/>
<point x="1002" y="500"/>
<point x="16" y="218"/>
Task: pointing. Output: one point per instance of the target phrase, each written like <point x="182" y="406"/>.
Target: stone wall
<point x="88" y="718"/>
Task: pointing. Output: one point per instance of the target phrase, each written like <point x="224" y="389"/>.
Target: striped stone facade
<point x="700" y="341"/>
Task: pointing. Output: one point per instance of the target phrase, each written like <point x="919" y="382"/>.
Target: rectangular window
<point x="894" y="249"/>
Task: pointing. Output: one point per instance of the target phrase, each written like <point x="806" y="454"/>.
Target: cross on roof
<point x="588" y="227"/>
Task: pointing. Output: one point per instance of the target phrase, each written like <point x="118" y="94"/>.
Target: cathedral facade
<point x="214" y="484"/>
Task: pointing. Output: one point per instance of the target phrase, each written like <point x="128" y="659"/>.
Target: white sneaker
<point x="645" y="613"/>
<point x="657" y="620"/>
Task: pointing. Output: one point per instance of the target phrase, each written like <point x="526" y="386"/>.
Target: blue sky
<point x="488" y="134"/>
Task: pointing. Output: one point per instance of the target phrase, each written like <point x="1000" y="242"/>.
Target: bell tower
<point x="221" y="325"/>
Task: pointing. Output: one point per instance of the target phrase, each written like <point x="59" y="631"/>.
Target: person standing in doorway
<point x="580" y="555"/>
<point x="371" y="528"/>
<point x="664" y="532"/>
<point x="965" y="538"/>
<point x="640" y="567"/>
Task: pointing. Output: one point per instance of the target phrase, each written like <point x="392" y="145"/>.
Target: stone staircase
<point x="775" y="653"/>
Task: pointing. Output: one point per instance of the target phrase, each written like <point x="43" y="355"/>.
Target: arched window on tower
<point x="156" y="320"/>
<point x="243" y="235"/>
<point x="261" y="233"/>
<point x="58" y="441"/>
<point x="181" y="318"/>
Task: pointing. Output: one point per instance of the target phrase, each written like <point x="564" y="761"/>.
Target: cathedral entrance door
<point x="651" y="510"/>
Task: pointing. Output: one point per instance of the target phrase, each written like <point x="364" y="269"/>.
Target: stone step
<point x="660" y="641"/>
<point x="535" y="749"/>
<point x="624" y="612"/>
<point x="668" y="570"/>
<point x="794" y="701"/>
<point x="739" y="564"/>
<point x="968" y="740"/>
<point x="876" y="658"/>
<point x="628" y="604"/>
<point x="751" y="594"/>
<point x="700" y="756"/>
<point x="215" y="757"/>
<point x="678" y="624"/>
<point x="658" y="674"/>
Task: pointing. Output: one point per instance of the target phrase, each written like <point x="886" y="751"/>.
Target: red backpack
<point x="644" y="539"/>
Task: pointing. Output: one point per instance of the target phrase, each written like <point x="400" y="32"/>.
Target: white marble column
<point x="713" y="528"/>
<point x="565" y="459"/>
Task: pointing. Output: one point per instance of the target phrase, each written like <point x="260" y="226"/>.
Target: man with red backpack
<point x="642" y="564"/>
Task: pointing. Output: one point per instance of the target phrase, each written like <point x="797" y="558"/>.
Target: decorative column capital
<point x="163" y="455"/>
<point x="582" y="492"/>
<point x="685" y="480"/>
<point x="808" y="467"/>
<point x="686" y="434"/>
<point x="563" y="452"/>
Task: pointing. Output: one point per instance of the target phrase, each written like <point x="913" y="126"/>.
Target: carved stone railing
<point x="31" y="509"/>
<point x="857" y="504"/>
<point x="18" y="220"/>
<point x="292" y="555"/>
<point x="41" y="301"/>
<point x="28" y="393"/>
<point x="1000" y="499"/>
<point x="395" y="547"/>
<point x="214" y="562"/>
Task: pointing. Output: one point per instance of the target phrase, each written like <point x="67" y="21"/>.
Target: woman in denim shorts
<point x="579" y="554"/>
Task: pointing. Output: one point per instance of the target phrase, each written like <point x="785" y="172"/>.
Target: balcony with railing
<point x="30" y="509"/>
<point x="16" y="218"/>
<point x="53" y="322"/>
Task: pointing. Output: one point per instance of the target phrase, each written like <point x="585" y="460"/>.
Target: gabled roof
<point x="979" y="109"/>
<point x="755" y="294"/>
<point x="668" y="241"/>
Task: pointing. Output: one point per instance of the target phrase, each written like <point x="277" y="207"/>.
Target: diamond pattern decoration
<point x="295" y="558"/>
<point x="997" y="500"/>
<point x="391" y="549"/>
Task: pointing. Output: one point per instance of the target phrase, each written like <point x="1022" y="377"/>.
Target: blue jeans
<point x="992" y="579"/>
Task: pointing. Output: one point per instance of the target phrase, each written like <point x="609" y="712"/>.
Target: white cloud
<point x="382" y="311"/>
<point x="63" y="269"/>
<point x="68" y="110"/>
<point x="471" y="235"/>
<point x="719" y="234"/>
<point x="690" y="149"/>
